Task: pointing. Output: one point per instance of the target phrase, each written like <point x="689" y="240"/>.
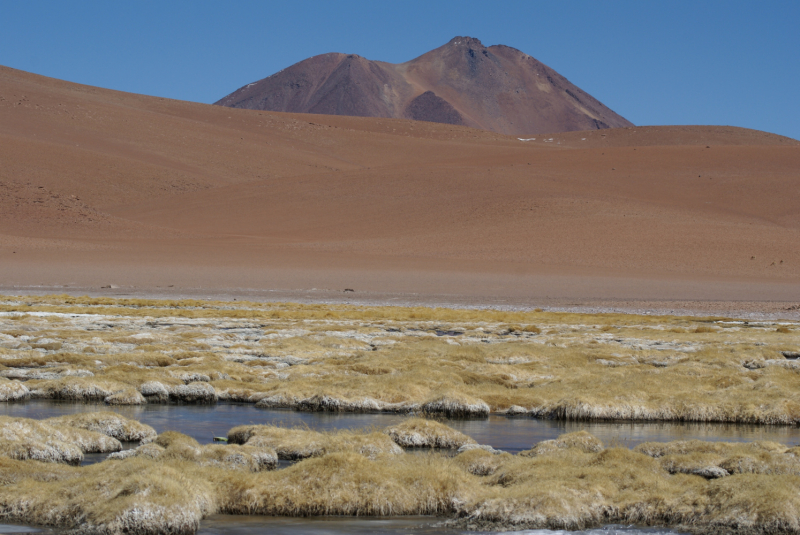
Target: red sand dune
<point x="101" y="187"/>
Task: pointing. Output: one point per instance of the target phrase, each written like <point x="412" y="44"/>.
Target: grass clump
<point x="13" y="390"/>
<point x="424" y="433"/>
<point x="108" y="423"/>
<point x="133" y="496"/>
<point x="128" y="396"/>
<point x="580" y="440"/>
<point x="154" y="391"/>
<point x="720" y="459"/>
<point x="176" y="446"/>
<point x="199" y="392"/>
<point x="456" y="405"/>
<point x="346" y="483"/>
<point x="294" y="444"/>
<point x="150" y="450"/>
<point x="480" y="462"/>
<point x="23" y="438"/>
<point x="76" y="389"/>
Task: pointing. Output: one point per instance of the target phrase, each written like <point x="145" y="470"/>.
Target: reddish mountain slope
<point x="101" y="187"/>
<point x="495" y="88"/>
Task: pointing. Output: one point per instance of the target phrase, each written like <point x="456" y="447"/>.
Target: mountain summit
<point x="495" y="88"/>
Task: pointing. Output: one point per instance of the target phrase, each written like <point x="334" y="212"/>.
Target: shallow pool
<point x="256" y="525"/>
<point x="512" y="434"/>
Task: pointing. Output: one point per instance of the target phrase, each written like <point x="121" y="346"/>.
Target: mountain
<point x="495" y="88"/>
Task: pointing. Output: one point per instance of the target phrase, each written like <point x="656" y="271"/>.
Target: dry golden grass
<point x="76" y="388"/>
<point x="293" y="444"/>
<point x="189" y="308"/>
<point x="23" y="438"/>
<point x="169" y="485"/>
<point x="13" y="390"/>
<point x="346" y="483"/>
<point x="107" y="423"/>
<point x="480" y="462"/>
<point x="441" y="361"/>
<point x="132" y="496"/>
<point x="719" y="459"/>
<point x="422" y="433"/>
<point x="176" y="446"/>
<point x="580" y="440"/>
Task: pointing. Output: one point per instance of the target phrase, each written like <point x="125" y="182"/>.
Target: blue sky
<point x="672" y="62"/>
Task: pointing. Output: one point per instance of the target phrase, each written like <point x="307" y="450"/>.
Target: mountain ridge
<point x="496" y="88"/>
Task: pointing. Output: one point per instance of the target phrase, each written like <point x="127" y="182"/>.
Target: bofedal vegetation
<point x="170" y="482"/>
<point x="421" y="361"/>
<point x="424" y="360"/>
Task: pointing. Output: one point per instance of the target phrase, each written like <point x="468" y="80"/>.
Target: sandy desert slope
<point x="99" y="186"/>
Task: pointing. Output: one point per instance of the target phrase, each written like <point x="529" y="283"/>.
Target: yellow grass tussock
<point x="580" y="440"/>
<point x="346" y="483"/>
<point x="293" y="444"/>
<point x="128" y="396"/>
<point x="108" y="423"/>
<point x="720" y="459"/>
<point x="150" y="450"/>
<point x="75" y="388"/>
<point x="132" y="496"/>
<point x="23" y="438"/>
<point x="181" y="447"/>
<point x="480" y="462"/>
<point x="456" y="404"/>
<point x="199" y="392"/>
<point x="154" y="391"/>
<point x="424" y="433"/>
<point x="13" y="390"/>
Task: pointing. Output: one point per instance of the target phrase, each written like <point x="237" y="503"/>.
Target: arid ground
<point x="149" y="196"/>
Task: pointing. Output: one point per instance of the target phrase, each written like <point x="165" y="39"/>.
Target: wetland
<point x="486" y="420"/>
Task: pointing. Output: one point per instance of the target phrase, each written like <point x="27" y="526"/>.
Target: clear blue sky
<point x="671" y="62"/>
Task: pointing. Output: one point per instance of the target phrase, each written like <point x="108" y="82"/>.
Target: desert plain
<point x="103" y="188"/>
<point x="158" y="251"/>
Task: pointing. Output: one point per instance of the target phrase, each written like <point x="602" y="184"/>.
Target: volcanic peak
<point x="496" y="88"/>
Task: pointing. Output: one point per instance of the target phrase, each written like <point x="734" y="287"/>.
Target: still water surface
<point x="512" y="434"/>
<point x="256" y="525"/>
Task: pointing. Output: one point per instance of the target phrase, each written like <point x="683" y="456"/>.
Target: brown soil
<point x="102" y="188"/>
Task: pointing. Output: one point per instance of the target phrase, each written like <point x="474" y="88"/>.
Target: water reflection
<point x="256" y="525"/>
<point x="14" y="528"/>
<point x="512" y="434"/>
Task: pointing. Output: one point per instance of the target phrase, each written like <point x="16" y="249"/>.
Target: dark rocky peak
<point x="466" y="42"/>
